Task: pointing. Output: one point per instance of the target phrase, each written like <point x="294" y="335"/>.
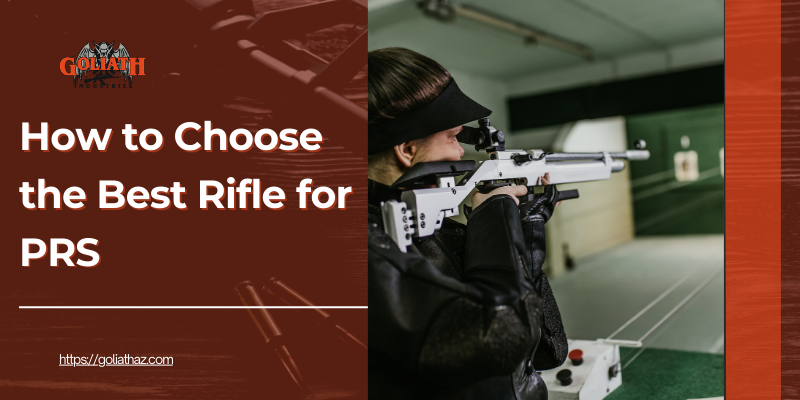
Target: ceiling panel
<point x="611" y="28"/>
<point x="563" y="19"/>
<point x="670" y="22"/>
<point x="465" y="47"/>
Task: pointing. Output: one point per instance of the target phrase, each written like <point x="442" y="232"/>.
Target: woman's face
<point x="441" y="146"/>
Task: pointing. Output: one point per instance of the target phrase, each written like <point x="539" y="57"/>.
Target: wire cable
<point x="669" y="314"/>
<point x="709" y="173"/>
<point x="653" y="303"/>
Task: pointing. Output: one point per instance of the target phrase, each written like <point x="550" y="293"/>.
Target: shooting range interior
<point x="640" y="256"/>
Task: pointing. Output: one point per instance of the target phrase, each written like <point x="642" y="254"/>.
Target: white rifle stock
<point x="420" y="212"/>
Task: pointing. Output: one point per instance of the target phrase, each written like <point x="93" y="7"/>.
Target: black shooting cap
<point x="450" y="109"/>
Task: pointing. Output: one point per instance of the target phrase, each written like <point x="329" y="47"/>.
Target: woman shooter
<point x="466" y="313"/>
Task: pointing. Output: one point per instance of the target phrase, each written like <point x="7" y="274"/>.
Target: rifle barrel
<point x="627" y="155"/>
<point x="290" y="297"/>
<point x="269" y="329"/>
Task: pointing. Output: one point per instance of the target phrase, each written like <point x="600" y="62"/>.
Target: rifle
<point x="228" y="51"/>
<point x="420" y="212"/>
<point x="250" y="296"/>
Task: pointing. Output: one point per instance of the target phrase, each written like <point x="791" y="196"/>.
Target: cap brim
<point x="450" y="109"/>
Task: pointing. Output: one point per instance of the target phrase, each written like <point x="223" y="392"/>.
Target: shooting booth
<point x="639" y="256"/>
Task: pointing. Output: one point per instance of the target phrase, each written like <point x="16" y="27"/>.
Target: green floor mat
<point x="670" y="375"/>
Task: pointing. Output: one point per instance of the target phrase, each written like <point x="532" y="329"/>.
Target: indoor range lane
<point x="683" y="357"/>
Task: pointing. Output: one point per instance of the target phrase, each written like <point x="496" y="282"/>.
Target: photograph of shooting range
<point x="634" y="259"/>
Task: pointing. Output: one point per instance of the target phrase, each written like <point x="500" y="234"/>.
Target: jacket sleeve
<point x="451" y="330"/>
<point x="553" y="347"/>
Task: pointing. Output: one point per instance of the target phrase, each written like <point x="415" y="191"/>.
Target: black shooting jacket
<point x="466" y="313"/>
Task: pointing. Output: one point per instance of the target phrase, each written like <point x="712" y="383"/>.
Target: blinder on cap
<point x="449" y="110"/>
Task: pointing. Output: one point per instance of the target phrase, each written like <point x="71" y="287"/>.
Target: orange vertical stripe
<point x="753" y="199"/>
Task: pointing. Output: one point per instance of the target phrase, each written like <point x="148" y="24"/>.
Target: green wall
<point x="661" y="204"/>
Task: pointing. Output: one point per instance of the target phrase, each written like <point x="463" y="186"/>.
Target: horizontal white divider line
<point x="188" y="307"/>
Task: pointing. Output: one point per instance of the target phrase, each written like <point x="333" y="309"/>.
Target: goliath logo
<point x="103" y="63"/>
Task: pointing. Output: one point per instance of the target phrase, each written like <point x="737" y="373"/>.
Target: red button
<point x="576" y="356"/>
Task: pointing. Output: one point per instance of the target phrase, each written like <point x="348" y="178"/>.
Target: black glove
<point x="535" y="246"/>
<point x="534" y="214"/>
<point x="542" y="206"/>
